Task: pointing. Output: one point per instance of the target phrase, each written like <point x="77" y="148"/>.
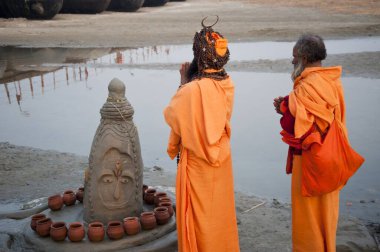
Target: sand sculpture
<point x="114" y="179"/>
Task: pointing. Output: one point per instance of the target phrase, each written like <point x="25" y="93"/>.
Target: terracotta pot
<point x="69" y="198"/>
<point x="58" y="231"/>
<point x="164" y="199"/>
<point x="76" y="232"/>
<point x="43" y="227"/>
<point x="95" y="231"/>
<point x="144" y="188"/>
<point x="149" y="196"/>
<point x="79" y="194"/>
<point x="35" y="218"/>
<point x="169" y="206"/>
<point x="115" y="230"/>
<point x="55" y="202"/>
<point x="162" y="215"/>
<point x="157" y="196"/>
<point x="132" y="225"/>
<point x="148" y="220"/>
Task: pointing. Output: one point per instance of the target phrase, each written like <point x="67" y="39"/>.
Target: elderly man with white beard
<point x="312" y="109"/>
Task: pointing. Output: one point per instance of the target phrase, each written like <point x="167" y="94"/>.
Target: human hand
<point x="276" y="103"/>
<point x="184" y="70"/>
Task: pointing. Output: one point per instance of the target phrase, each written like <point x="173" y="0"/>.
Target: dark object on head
<point x="312" y="47"/>
<point x="210" y="53"/>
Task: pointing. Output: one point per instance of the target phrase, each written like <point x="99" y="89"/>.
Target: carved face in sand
<point x="115" y="180"/>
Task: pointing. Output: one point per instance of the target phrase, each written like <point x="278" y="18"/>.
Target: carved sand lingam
<point x="112" y="195"/>
<point x="114" y="178"/>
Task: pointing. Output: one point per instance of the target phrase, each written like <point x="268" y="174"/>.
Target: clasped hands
<point x="276" y="103"/>
<point x="184" y="72"/>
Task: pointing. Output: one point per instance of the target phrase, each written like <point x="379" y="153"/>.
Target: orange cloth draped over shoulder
<point x="317" y="103"/>
<point x="199" y="116"/>
<point x="317" y="93"/>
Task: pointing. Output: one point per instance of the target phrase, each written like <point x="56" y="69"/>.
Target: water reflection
<point x="19" y="63"/>
<point x="245" y="51"/>
<point x="66" y="119"/>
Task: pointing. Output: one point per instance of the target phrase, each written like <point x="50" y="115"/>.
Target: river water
<point x="50" y="99"/>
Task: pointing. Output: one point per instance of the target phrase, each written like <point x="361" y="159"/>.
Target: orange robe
<point x="315" y="96"/>
<point x="199" y="116"/>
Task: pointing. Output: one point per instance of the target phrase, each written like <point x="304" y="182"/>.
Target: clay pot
<point x="43" y="227"/>
<point x="169" y="206"/>
<point x="79" y="194"/>
<point x="149" y="196"/>
<point x="157" y="196"/>
<point x="162" y="215"/>
<point x="115" y="230"/>
<point x="164" y="199"/>
<point x="35" y="218"/>
<point x="132" y="225"/>
<point x="95" y="231"/>
<point x="148" y="220"/>
<point x="69" y="198"/>
<point x="144" y="188"/>
<point x="76" y="232"/>
<point x="58" y="231"/>
<point x="55" y="202"/>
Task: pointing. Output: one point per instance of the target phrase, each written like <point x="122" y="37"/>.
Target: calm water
<point x="247" y="51"/>
<point x="54" y="104"/>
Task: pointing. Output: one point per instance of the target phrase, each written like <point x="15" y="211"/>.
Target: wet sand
<point x="28" y="173"/>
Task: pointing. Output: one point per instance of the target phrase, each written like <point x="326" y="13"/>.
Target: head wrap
<point x="210" y="53"/>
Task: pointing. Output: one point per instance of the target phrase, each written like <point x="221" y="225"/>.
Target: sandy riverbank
<point x="240" y="21"/>
<point x="264" y="224"/>
<point x="176" y="22"/>
<point x="29" y="173"/>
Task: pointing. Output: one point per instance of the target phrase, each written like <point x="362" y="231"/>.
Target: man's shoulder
<point x="189" y="87"/>
<point x="330" y="72"/>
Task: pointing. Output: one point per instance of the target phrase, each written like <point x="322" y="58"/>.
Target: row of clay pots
<point x="115" y="229"/>
<point x="152" y="197"/>
<point x="55" y="202"/>
<point x="76" y="232"/>
<point x="57" y="230"/>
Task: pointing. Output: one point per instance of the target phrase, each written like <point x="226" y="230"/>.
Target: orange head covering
<point x="211" y="52"/>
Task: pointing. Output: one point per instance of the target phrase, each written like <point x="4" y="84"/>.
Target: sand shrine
<point x="113" y="181"/>
<point x="113" y="190"/>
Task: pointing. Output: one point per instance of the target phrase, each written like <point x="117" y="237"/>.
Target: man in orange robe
<point x="199" y="117"/>
<point x="316" y="99"/>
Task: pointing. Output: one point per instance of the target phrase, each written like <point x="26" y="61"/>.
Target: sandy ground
<point x="264" y="225"/>
<point x="176" y="23"/>
<point x="28" y="173"/>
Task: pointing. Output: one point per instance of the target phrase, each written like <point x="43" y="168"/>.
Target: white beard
<point x="298" y="69"/>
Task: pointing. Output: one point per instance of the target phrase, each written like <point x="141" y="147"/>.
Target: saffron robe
<point x="199" y="117"/>
<point x="317" y="95"/>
